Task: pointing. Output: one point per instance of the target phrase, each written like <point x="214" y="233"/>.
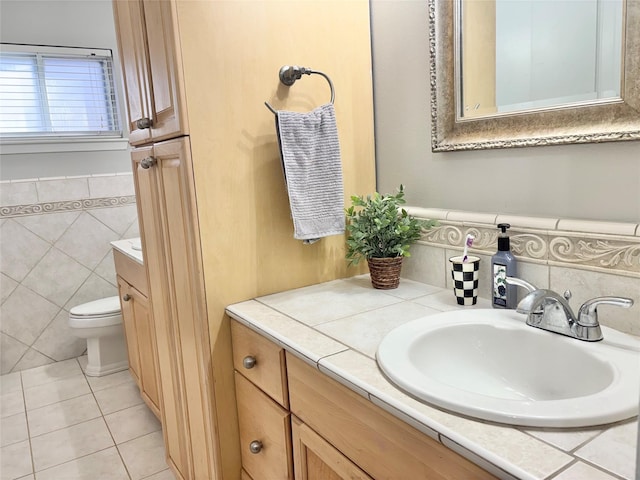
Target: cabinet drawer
<point x="316" y="459"/>
<point x="265" y="434"/>
<point x="261" y="361"/>
<point x="132" y="272"/>
<point x="379" y="443"/>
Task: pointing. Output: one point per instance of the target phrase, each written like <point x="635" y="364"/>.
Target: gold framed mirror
<point x="606" y="120"/>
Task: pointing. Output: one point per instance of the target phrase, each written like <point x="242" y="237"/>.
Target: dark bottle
<point x="503" y="265"/>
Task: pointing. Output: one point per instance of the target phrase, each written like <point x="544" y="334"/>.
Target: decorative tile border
<point x="11" y="211"/>
<point x="607" y="253"/>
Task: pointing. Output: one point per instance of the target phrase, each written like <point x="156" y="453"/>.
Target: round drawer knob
<point x="249" y="362"/>
<point x="126" y="297"/>
<point x="255" y="446"/>
<point x="144" y="123"/>
<point x="148" y="162"/>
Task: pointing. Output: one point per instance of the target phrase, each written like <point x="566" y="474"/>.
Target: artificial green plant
<point x="378" y="228"/>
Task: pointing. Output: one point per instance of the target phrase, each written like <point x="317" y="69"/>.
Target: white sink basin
<point x="489" y="364"/>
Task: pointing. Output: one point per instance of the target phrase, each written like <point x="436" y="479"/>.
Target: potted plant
<point x="382" y="232"/>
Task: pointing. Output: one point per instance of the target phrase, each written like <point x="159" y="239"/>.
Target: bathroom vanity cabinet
<point x="212" y="203"/>
<point x="139" y="329"/>
<point x="297" y="423"/>
<point x="153" y="93"/>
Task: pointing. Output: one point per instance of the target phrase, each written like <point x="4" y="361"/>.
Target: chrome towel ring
<point x="289" y="74"/>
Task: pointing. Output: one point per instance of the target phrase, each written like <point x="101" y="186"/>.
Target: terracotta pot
<point x="385" y="272"/>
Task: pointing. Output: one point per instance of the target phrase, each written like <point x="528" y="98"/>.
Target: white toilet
<point x="100" y="322"/>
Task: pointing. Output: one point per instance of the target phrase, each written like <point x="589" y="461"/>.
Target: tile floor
<point x="58" y="424"/>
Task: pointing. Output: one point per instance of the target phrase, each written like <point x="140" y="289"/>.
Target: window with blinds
<point x="56" y="92"/>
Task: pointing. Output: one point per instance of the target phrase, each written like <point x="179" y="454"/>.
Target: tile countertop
<point x="337" y="326"/>
<point x="131" y="247"/>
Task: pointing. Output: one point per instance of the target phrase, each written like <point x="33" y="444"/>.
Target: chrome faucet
<point x="548" y="310"/>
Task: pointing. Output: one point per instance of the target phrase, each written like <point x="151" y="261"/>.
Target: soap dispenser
<point x="503" y="265"/>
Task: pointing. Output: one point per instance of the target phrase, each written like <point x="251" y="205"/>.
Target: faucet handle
<point x="521" y="283"/>
<point x="588" y="314"/>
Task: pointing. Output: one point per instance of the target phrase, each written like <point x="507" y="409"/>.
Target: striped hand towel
<point x="310" y="153"/>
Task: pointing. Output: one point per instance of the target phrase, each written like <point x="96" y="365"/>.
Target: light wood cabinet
<point x="139" y="328"/>
<point x="317" y="459"/>
<point x="169" y="231"/>
<point x="150" y="62"/>
<point x="263" y="400"/>
<point x="337" y="434"/>
<point x="212" y="206"/>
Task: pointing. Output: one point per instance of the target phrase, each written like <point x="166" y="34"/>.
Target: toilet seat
<point x="99" y="313"/>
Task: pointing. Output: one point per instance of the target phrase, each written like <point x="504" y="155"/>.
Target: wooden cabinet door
<point x="167" y="103"/>
<point x="151" y="70"/>
<point x="129" y="20"/>
<point x="129" y="323"/>
<point x="265" y="433"/>
<point x="146" y="350"/>
<point x="169" y="230"/>
<point x="317" y="459"/>
<point x="149" y="215"/>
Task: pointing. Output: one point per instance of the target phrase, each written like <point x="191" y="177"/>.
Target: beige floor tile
<point x="144" y="456"/>
<point x="119" y="397"/>
<point x="11" y="382"/>
<point x="109" y="381"/>
<point x="50" y="373"/>
<point x="53" y="392"/>
<point x="163" y="475"/>
<point x="132" y="422"/>
<point x="15" y="461"/>
<point x="13" y="429"/>
<point x="70" y="443"/>
<point x="102" y="465"/>
<point x="11" y="403"/>
<point x="62" y="414"/>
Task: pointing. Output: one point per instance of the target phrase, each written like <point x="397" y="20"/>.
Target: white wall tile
<point x="7" y="285"/>
<point x="93" y="288"/>
<point x="58" y="342"/>
<point x="18" y="193"/>
<point x="87" y="241"/>
<point x="585" y="285"/>
<point x="426" y="264"/>
<point x="32" y="358"/>
<point x="57" y="277"/>
<point x="118" y="219"/>
<point x="111" y="186"/>
<point x="612" y="228"/>
<point x="48" y="226"/>
<point x="20" y="250"/>
<point x="25" y="314"/>
<point x="62" y="189"/>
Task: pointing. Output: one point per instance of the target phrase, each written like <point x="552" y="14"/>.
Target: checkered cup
<point x="465" y="279"/>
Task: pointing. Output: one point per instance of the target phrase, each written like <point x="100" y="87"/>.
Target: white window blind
<point x="56" y="92"/>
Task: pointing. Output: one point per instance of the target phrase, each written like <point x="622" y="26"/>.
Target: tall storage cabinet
<point x="213" y="208"/>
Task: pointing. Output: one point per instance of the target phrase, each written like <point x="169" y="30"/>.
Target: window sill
<point x="47" y="145"/>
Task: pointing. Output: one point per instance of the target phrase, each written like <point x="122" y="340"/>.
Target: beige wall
<point x="592" y="181"/>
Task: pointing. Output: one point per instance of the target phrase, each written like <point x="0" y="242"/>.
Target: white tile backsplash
<point x="56" y="235"/>
<point x="589" y="258"/>
<point x="18" y="193"/>
<point x="64" y="189"/>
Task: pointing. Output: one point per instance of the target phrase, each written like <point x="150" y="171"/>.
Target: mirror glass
<point x="520" y="73"/>
<point x="523" y="55"/>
